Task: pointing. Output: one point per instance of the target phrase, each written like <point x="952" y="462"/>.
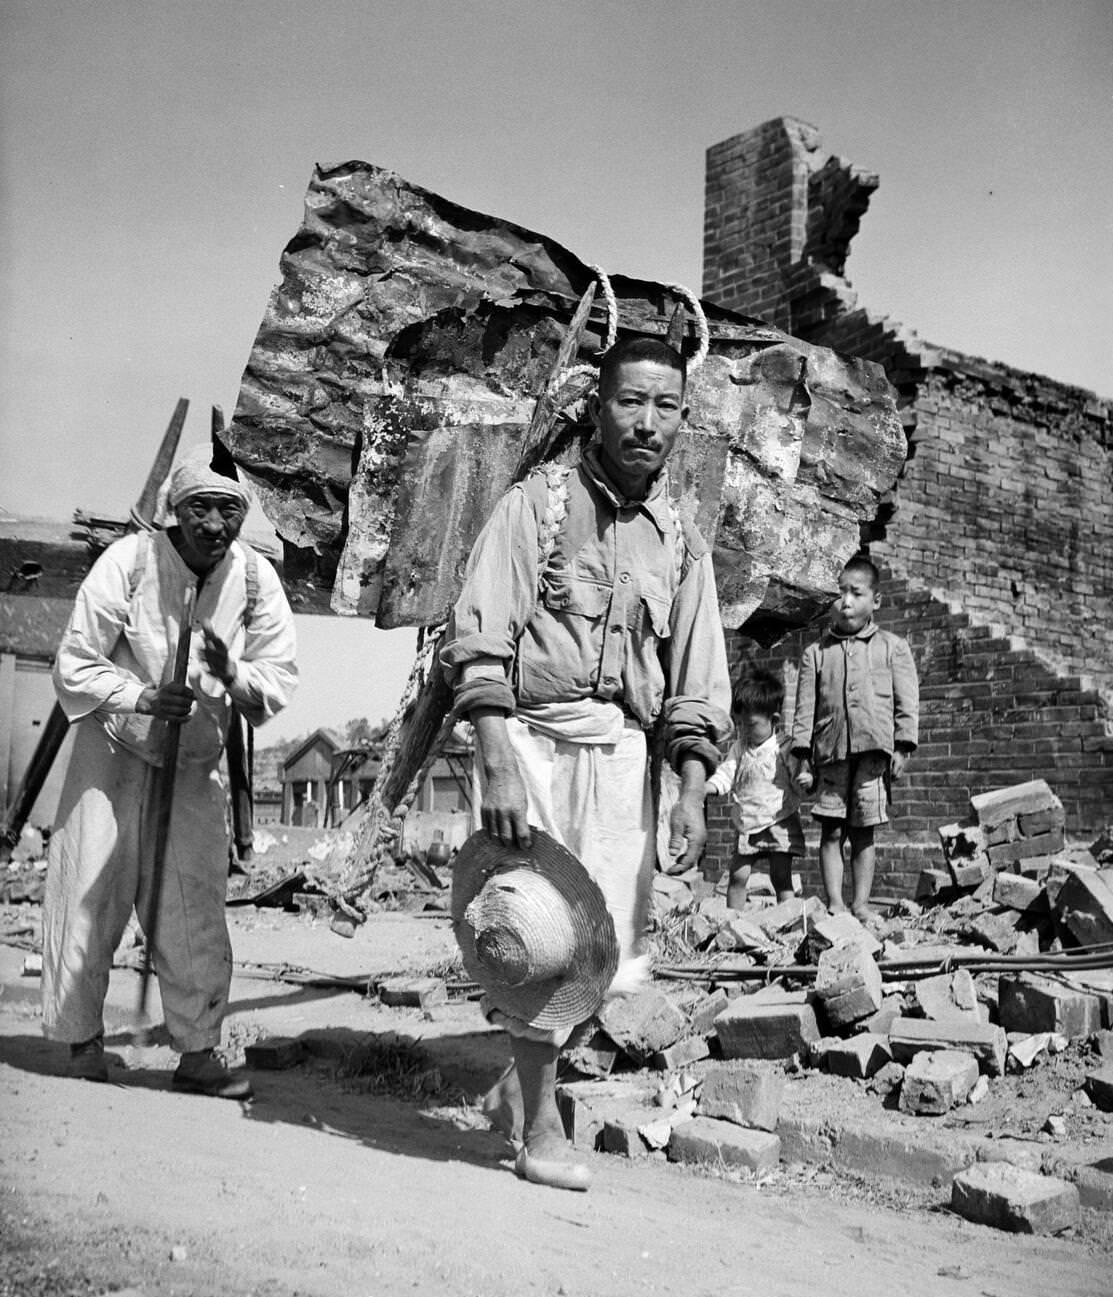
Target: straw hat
<point x="533" y="929"/>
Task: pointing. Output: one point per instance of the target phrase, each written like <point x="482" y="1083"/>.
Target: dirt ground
<point x="364" y="1175"/>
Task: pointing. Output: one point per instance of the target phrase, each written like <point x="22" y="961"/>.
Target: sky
<point x="154" y="158"/>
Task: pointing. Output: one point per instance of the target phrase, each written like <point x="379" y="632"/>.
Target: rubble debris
<point x="750" y="1028"/>
<point x="848" y="983"/>
<point x="950" y="995"/>
<point x="413" y="992"/>
<point x="643" y="1024"/>
<point x="1009" y="1198"/>
<point x="987" y="1043"/>
<point x="1030" y="1003"/>
<point x="748" y="1093"/>
<point x="274" y="1054"/>
<point x="722" y="1143"/>
<point x="1084" y="906"/>
<point x="860" y="1056"/>
<point x="936" y="1081"/>
<point x="1099" y="1088"/>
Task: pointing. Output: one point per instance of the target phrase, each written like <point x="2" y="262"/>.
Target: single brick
<point x="741" y="933"/>
<point x="1033" y="826"/>
<point x="1018" y="891"/>
<point x="620" y="1131"/>
<point x="892" y="1007"/>
<point x="1099" y="1086"/>
<point x="748" y="1093"/>
<point x="970" y="873"/>
<point x="274" y="1054"/>
<point x="1006" y="831"/>
<point x="836" y="929"/>
<point x="988" y="1044"/>
<point x="1036" y="1004"/>
<point x="789" y="916"/>
<point x="413" y="992"/>
<point x="1047" y="844"/>
<point x="936" y="1081"/>
<point x="861" y="1056"/>
<point x="995" y="930"/>
<point x="1084" y="906"/>
<point x="681" y="1054"/>
<point x="848" y="983"/>
<point x="704" y="1140"/>
<point x="949" y="995"/>
<point x="1006" y="803"/>
<point x="699" y="930"/>
<point x="643" y="1024"/>
<point x="1009" y="1198"/>
<point x="585" y="1106"/>
<point x="748" y="1028"/>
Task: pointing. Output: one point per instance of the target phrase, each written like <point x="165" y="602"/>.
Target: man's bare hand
<point x="168" y="702"/>
<point x="214" y="653"/>
<point x="505" y="810"/>
<point x="687" y="832"/>
<point x="898" y="762"/>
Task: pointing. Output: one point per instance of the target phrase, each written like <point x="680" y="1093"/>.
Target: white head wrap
<point x="190" y="479"/>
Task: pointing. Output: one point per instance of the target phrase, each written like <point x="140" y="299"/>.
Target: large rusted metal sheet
<point x="397" y="367"/>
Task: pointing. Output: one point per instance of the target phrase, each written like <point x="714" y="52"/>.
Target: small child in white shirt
<point x="759" y="774"/>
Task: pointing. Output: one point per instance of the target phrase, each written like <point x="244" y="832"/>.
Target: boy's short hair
<point x="863" y="563"/>
<point x="631" y="350"/>
<point x="759" y="692"/>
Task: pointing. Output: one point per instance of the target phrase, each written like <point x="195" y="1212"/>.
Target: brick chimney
<point x="778" y="214"/>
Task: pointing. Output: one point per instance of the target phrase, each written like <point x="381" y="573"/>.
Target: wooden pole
<point x="50" y="741"/>
<point x="165" y="802"/>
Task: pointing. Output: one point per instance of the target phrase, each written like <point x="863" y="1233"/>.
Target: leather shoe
<point x="551" y="1171"/>
<point x="203" y="1073"/>
<point x="87" y="1062"/>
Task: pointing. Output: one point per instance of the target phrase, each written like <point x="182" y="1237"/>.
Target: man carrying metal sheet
<point x="588" y="613"/>
<point x="114" y="675"/>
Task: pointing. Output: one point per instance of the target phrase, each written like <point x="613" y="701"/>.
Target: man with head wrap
<point x="113" y="675"/>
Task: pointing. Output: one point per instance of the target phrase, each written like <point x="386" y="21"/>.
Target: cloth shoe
<point x="87" y="1061"/>
<point x="201" y="1072"/>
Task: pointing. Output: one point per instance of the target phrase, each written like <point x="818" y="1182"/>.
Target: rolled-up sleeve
<point x="266" y="673"/>
<point x="85" y="678"/>
<point x="697" y="710"/>
<point x="496" y="601"/>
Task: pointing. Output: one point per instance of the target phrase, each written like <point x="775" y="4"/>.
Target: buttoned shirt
<point x="625" y="610"/>
<point x="120" y="641"/>
<point x="856" y="693"/>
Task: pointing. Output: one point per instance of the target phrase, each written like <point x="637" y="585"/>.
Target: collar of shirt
<point x="655" y="504"/>
<point x="771" y="743"/>
<point x="867" y="632"/>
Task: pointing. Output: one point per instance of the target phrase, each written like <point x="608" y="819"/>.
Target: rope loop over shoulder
<point x="703" y="332"/>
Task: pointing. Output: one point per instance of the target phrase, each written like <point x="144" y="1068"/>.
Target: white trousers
<point x="595" y="799"/>
<point x="100" y="867"/>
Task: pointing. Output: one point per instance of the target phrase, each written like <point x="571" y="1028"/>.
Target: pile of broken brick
<point x="925" y="1008"/>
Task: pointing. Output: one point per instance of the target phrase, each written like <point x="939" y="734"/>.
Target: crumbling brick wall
<point x="1000" y="526"/>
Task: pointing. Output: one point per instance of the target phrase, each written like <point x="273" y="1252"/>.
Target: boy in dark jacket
<point x="855" y="724"/>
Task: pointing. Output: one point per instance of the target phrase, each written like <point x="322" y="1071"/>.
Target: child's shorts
<point x="784" y="837"/>
<point x="855" y="791"/>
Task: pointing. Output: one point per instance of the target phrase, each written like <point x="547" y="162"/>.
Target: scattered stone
<point x="1018" y="891"/>
<point x="595" y="1056"/>
<point x="950" y="995"/>
<point x="274" y="1054"/>
<point x="979" y="1090"/>
<point x="1030" y="1003"/>
<point x="887" y="1078"/>
<point x="1025" y="1051"/>
<point x="747" y="1093"/>
<point x="1099" y="1087"/>
<point x="699" y="931"/>
<point x="837" y="929"/>
<point x="988" y="1044"/>
<point x="705" y="1140"/>
<point x="753" y="1028"/>
<point x="1084" y="906"/>
<point x="643" y="1024"/>
<point x="702" y="1017"/>
<point x="681" y="1054"/>
<point x="1056" y="1126"/>
<point x="936" y="1081"/>
<point x="739" y="932"/>
<point x="970" y="873"/>
<point x="997" y="931"/>
<point x="1009" y="1198"/>
<point x="848" y="983"/>
<point x="791" y="916"/>
<point x="880" y="1022"/>
<point x="32" y="966"/>
<point x="860" y="1057"/>
<point x="178" y="1253"/>
<point x="413" y="992"/>
<point x="931" y="883"/>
